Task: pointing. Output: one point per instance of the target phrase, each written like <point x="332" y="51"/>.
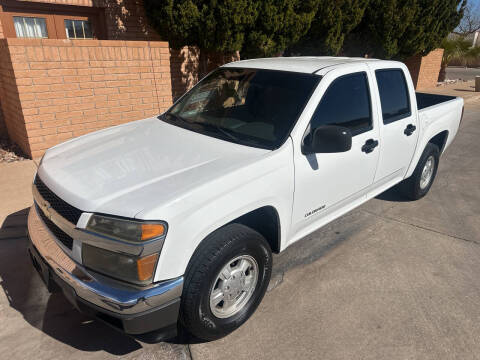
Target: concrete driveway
<point x="390" y="280"/>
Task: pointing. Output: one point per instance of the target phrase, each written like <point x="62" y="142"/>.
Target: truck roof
<point x="303" y="64"/>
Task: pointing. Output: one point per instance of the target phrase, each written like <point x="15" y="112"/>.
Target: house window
<point x="30" y="27"/>
<point x="78" y="29"/>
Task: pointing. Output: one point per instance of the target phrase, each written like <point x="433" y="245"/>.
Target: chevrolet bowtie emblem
<point x="46" y="210"/>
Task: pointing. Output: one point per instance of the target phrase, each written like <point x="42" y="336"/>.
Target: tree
<point x="383" y="28"/>
<point x="470" y="22"/>
<point x="333" y="21"/>
<point x="279" y="24"/>
<point x="212" y="25"/>
<point x="402" y="28"/>
<point x="433" y="21"/>
<point x="384" y="24"/>
<point x="253" y="27"/>
<point x="457" y="49"/>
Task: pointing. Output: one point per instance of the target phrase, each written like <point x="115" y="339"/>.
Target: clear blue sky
<point x="475" y="3"/>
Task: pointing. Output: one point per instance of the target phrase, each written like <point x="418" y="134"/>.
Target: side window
<point x="30" y="27"/>
<point x="78" y="29"/>
<point x="346" y="103"/>
<point x="393" y="90"/>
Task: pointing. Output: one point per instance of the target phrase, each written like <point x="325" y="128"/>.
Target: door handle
<point x="369" y="145"/>
<point x="409" y="129"/>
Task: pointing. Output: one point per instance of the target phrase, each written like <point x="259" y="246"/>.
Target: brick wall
<point x="3" y="128"/>
<point x="9" y="97"/>
<point x="184" y="66"/>
<point x="425" y="69"/>
<point x="184" y="69"/>
<point x="126" y="20"/>
<point x="59" y="89"/>
<point x="1" y="27"/>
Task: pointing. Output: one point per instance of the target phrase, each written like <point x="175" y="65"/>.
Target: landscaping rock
<point x="10" y="152"/>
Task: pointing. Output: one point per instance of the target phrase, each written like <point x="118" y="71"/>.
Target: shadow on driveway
<point x="50" y="313"/>
<point x="393" y="195"/>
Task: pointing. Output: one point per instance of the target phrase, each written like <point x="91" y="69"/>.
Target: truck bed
<point x="425" y="100"/>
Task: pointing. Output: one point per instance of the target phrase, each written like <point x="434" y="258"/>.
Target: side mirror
<point x="328" y="139"/>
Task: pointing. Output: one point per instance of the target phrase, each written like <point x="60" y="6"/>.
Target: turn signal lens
<point x="145" y="267"/>
<point x="150" y="231"/>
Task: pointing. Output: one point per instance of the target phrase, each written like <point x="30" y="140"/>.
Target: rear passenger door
<point x="399" y="127"/>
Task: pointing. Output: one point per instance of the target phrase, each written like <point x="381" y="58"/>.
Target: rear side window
<point x="393" y="90"/>
<point x="346" y="103"/>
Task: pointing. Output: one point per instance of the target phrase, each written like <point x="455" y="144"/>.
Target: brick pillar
<point x="3" y="128"/>
<point x="425" y="69"/>
<point x="184" y="67"/>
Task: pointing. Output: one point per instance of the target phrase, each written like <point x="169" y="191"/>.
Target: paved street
<point x="391" y="280"/>
<point x="455" y="73"/>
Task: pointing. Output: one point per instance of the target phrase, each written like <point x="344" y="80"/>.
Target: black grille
<point x="66" y="210"/>
<point x="63" y="237"/>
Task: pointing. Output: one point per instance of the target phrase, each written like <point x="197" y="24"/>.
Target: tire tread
<point x="198" y="270"/>
<point x="410" y="186"/>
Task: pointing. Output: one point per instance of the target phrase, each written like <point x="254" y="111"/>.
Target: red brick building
<point x="75" y="19"/>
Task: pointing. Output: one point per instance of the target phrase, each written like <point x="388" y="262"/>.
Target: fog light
<point x="120" y="266"/>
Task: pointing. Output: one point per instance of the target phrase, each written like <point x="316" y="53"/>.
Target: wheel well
<point x="265" y="220"/>
<point x="440" y="140"/>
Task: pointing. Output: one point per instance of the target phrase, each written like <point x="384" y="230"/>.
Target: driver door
<point x="329" y="184"/>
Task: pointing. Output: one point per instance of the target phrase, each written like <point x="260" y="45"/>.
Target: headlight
<point x="127" y="230"/>
<point x="128" y="268"/>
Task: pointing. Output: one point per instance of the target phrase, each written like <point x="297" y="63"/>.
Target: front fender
<point x="266" y="182"/>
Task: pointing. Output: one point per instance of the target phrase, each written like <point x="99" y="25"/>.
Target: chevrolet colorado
<point x="173" y="219"/>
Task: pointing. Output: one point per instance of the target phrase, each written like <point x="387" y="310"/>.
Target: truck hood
<point x="124" y="169"/>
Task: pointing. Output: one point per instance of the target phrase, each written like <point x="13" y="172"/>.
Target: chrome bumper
<point x="101" y="291"/>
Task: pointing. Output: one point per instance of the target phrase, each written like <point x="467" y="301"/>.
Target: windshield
<point x="246" y="106"/>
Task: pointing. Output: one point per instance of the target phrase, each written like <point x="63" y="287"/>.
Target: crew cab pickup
<point x="173" y="219"/>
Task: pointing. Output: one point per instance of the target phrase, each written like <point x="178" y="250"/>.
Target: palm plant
<point x="459" y="50"/>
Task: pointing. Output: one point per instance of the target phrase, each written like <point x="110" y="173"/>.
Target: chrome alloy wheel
<point x="427" y="172"/>
<point x="233" y="286"/>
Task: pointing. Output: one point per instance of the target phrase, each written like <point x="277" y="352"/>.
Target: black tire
<point x="211" y="256"/>
<point x="411" y="187"/>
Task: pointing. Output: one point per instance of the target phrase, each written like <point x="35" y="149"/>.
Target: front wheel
<point x="225" y="281"/>
<point x="418" y="185"/>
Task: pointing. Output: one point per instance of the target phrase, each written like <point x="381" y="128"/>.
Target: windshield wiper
<point x="176" y="117"/>
<point x="218" y="128"/>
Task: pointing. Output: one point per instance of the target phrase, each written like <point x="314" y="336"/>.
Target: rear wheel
<point x="225" y="281"/>
<point x="418" y="185"/>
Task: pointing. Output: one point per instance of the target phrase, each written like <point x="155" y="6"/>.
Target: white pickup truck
<point x="173" y="219"/>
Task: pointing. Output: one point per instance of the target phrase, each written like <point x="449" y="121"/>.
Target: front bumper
<point x="133" y="310"/>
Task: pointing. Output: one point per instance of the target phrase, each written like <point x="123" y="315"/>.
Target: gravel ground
<point x="10" y="152"/>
